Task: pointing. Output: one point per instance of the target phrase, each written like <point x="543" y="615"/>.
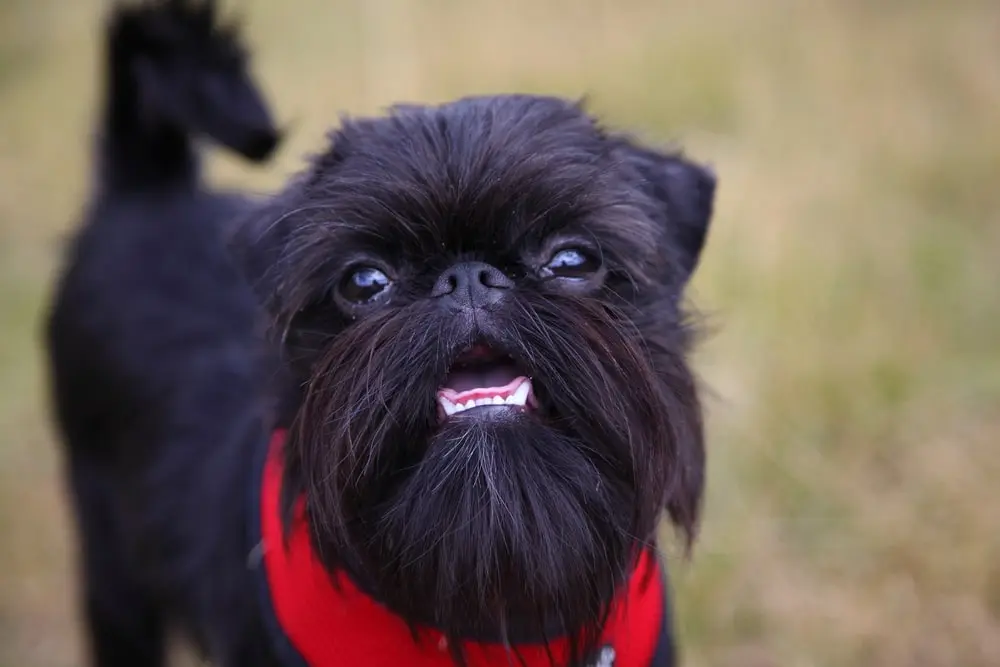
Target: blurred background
<point x="851" y="279"/>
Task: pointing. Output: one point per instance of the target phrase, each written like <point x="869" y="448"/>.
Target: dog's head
<point x="482" y="305"/>
<point x="188" y="68"/>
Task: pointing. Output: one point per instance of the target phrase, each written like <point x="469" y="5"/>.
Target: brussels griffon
<point x="480" y="307"/>
<point x="485" y="409"/>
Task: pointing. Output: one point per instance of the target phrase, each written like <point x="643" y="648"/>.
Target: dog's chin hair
<point x="511" y="526"/>
<point x="499" y="524"/>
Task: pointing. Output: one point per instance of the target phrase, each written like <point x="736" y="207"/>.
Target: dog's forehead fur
<point x="483" y="176"/>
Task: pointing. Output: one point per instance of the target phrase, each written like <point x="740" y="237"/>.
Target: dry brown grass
<point x="852" y="277"/>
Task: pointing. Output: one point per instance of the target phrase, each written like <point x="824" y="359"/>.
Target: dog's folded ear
<point x="684" y="192"/>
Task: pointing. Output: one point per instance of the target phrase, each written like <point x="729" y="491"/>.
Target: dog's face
<point x="481" y="303"/>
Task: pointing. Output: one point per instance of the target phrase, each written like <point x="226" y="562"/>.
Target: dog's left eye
<point x="572" y="263"/>
<point x="364" y="284"/>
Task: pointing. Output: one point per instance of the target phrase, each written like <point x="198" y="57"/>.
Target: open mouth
<point x="483" y="378"/>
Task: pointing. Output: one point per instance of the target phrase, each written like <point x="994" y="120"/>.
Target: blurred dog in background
<point x="152" y="334"/>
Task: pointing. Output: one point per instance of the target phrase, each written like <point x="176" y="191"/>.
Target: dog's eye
<point x="364" y="284"/>
<point x="572" y="263"/>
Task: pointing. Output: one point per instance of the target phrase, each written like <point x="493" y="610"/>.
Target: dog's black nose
<point x="472" y="285"/>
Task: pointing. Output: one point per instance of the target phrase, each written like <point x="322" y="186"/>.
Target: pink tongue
<point x="466" y="379"/>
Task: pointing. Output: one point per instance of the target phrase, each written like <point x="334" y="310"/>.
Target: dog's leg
<point x="123" y="627"/>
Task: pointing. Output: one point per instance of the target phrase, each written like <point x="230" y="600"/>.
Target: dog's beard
<point x="508" y="525"/>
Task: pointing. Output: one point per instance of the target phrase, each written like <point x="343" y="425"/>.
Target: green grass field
<point x="852" y="282"/>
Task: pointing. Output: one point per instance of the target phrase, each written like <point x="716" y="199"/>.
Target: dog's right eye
<point x="364" y="284"/>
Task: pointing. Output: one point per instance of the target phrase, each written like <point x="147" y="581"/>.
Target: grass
<point x="852" y="279"/>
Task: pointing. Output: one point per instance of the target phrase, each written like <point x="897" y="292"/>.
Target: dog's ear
<point x="684" y="193"/>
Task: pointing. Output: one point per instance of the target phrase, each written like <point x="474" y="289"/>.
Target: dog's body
<point x="156" y="404"/>
<point x="479" y="308"/>
<point x="151" y="330"/>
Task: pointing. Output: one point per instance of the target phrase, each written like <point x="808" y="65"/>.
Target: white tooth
<point x="470" y="404"/>
<point x="483" y="401"/>
<point x="510" y="400"/>
<point x="449" y="407"/>
<point x="520" y="394"/>
<point x="498" y="400"/>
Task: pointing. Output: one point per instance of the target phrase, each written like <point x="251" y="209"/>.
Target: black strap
<point x="666" y="649"/>
<point x="282" y="647"/>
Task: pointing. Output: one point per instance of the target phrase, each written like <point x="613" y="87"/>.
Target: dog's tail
<point x="174" y="72"/>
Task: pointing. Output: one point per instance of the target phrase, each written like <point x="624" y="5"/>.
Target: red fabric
<point x="330" y="627"/>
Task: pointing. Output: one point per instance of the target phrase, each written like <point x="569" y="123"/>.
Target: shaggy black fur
<point x="517" y="524"/>
<point x="514" y="226"/>
<point x="152" y="340"/>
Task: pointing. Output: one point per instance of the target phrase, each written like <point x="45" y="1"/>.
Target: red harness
<point x="317" y="624"/>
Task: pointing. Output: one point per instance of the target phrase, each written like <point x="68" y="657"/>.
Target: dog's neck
<point x="323" y="618"/>
<point x="517" y="630"/>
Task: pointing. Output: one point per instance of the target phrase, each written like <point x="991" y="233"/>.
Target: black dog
<point x="481" y="307"/>
<point x="151" y="323"/>
<point x="489" y="408"/>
